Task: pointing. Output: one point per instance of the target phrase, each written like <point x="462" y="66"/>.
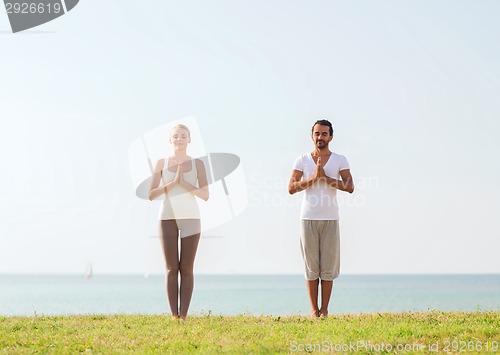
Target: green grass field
<point x="418" y="332"/>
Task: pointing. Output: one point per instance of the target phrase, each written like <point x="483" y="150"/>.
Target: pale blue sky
<point x="412" y="88"/>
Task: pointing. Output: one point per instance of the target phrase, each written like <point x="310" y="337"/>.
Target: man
<point x="320" y="173"/>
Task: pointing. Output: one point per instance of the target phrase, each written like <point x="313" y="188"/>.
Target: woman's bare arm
<point x="202" y="191"/>
<point x="156" y="190"/>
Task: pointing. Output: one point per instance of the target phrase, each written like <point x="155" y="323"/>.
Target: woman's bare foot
<point x="315" y="313"/>
<point x="323" y="314"/>
<point x="182" y="318"/>
<point x="174" y="316"/>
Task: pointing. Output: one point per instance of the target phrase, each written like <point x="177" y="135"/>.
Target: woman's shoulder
<point x="199" y="163"/>
<point x="160" y="163"/>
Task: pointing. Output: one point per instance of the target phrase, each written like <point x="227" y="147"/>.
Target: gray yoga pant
<point x="320" y="246"/>
<point x="169" y="236"/>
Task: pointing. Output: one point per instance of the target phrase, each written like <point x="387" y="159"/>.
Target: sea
<point x="277" y="295"/>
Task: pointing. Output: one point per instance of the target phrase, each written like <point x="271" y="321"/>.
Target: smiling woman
<point x="184" y="178"/>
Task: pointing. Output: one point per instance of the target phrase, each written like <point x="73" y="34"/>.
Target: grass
<point x="408" y="332"/>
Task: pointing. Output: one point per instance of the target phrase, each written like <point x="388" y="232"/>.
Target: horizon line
<point x="244" y="274"/>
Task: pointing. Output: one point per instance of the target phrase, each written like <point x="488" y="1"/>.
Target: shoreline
<point x="250" y="315"/>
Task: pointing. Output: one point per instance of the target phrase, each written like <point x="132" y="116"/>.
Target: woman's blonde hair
<point x="180" y="125"/>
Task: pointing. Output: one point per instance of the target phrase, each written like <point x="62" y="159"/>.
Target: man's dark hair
<point x="323" y="123"/>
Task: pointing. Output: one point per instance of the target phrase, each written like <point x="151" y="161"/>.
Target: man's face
<point x="321" y="136"/>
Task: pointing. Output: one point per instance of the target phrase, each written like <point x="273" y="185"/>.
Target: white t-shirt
<point x="320" y="200"/>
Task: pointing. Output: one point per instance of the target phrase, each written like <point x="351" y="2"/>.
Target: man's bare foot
<point x="182" y="318"/>
<point x="174" y="316"/>
<point x="323" y="314"/>
<point x="315" y="313"/>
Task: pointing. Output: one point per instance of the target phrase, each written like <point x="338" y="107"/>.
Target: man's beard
<point x="318" y="144"/>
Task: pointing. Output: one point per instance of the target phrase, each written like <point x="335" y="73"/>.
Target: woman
<point x="182" y="178"/>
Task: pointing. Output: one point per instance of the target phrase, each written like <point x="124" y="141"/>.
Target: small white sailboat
<point x="88" y="271"/>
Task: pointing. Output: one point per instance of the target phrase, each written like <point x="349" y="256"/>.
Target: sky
<point x="412" y="89"/>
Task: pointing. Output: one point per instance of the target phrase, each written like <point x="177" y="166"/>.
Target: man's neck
<point x="321" y="152"/>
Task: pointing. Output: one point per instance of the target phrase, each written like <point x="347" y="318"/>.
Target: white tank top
<point x="179" y="203"/>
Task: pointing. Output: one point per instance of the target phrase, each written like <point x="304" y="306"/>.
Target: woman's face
<point x="179" y="138"/>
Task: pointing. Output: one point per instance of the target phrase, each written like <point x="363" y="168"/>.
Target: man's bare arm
<point x="296" y="183"/>
<point x="346" y="184"/>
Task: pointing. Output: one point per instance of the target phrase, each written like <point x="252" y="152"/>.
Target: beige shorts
<point x="320" y="246"/>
